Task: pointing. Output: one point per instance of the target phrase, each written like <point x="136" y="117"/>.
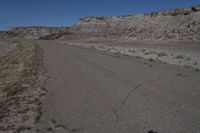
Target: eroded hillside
<point x="178" y="24"/>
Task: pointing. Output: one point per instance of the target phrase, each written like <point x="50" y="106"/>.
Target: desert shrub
<point x="195" y="8"/>
<point x="179" y="56"/>
<point x="161" y="54"/>
<point x="151" y="60"/>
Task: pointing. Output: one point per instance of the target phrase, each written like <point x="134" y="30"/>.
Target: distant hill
<point x="175" y="24"/>
<point x="34" y="32"/>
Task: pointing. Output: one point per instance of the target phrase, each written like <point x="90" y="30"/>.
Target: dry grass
<point x="14" y="67"/>
<point x="19" y="71"/>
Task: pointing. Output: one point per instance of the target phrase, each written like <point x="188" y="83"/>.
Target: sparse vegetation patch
<point x="19" y="87"/>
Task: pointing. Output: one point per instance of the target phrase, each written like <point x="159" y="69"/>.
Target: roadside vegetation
<point x="19" y="90"/>
<point x="14" y="67"/>
<point x="181" y="59"/>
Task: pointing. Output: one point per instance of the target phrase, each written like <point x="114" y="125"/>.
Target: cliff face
<point x="176" y="24"/>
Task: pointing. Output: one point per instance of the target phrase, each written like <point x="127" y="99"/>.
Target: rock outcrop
<point x="177" y="24"/>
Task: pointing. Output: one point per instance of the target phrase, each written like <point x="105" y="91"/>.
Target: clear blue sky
<point x="66" y="12"/>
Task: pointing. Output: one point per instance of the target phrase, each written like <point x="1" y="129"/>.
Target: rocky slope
<point x="176" y="24"/>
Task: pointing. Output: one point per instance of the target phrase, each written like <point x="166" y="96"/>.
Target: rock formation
<point x="175" y="24"/>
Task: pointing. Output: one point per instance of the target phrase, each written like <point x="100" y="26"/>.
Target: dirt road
<point x="97" y="92"/>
